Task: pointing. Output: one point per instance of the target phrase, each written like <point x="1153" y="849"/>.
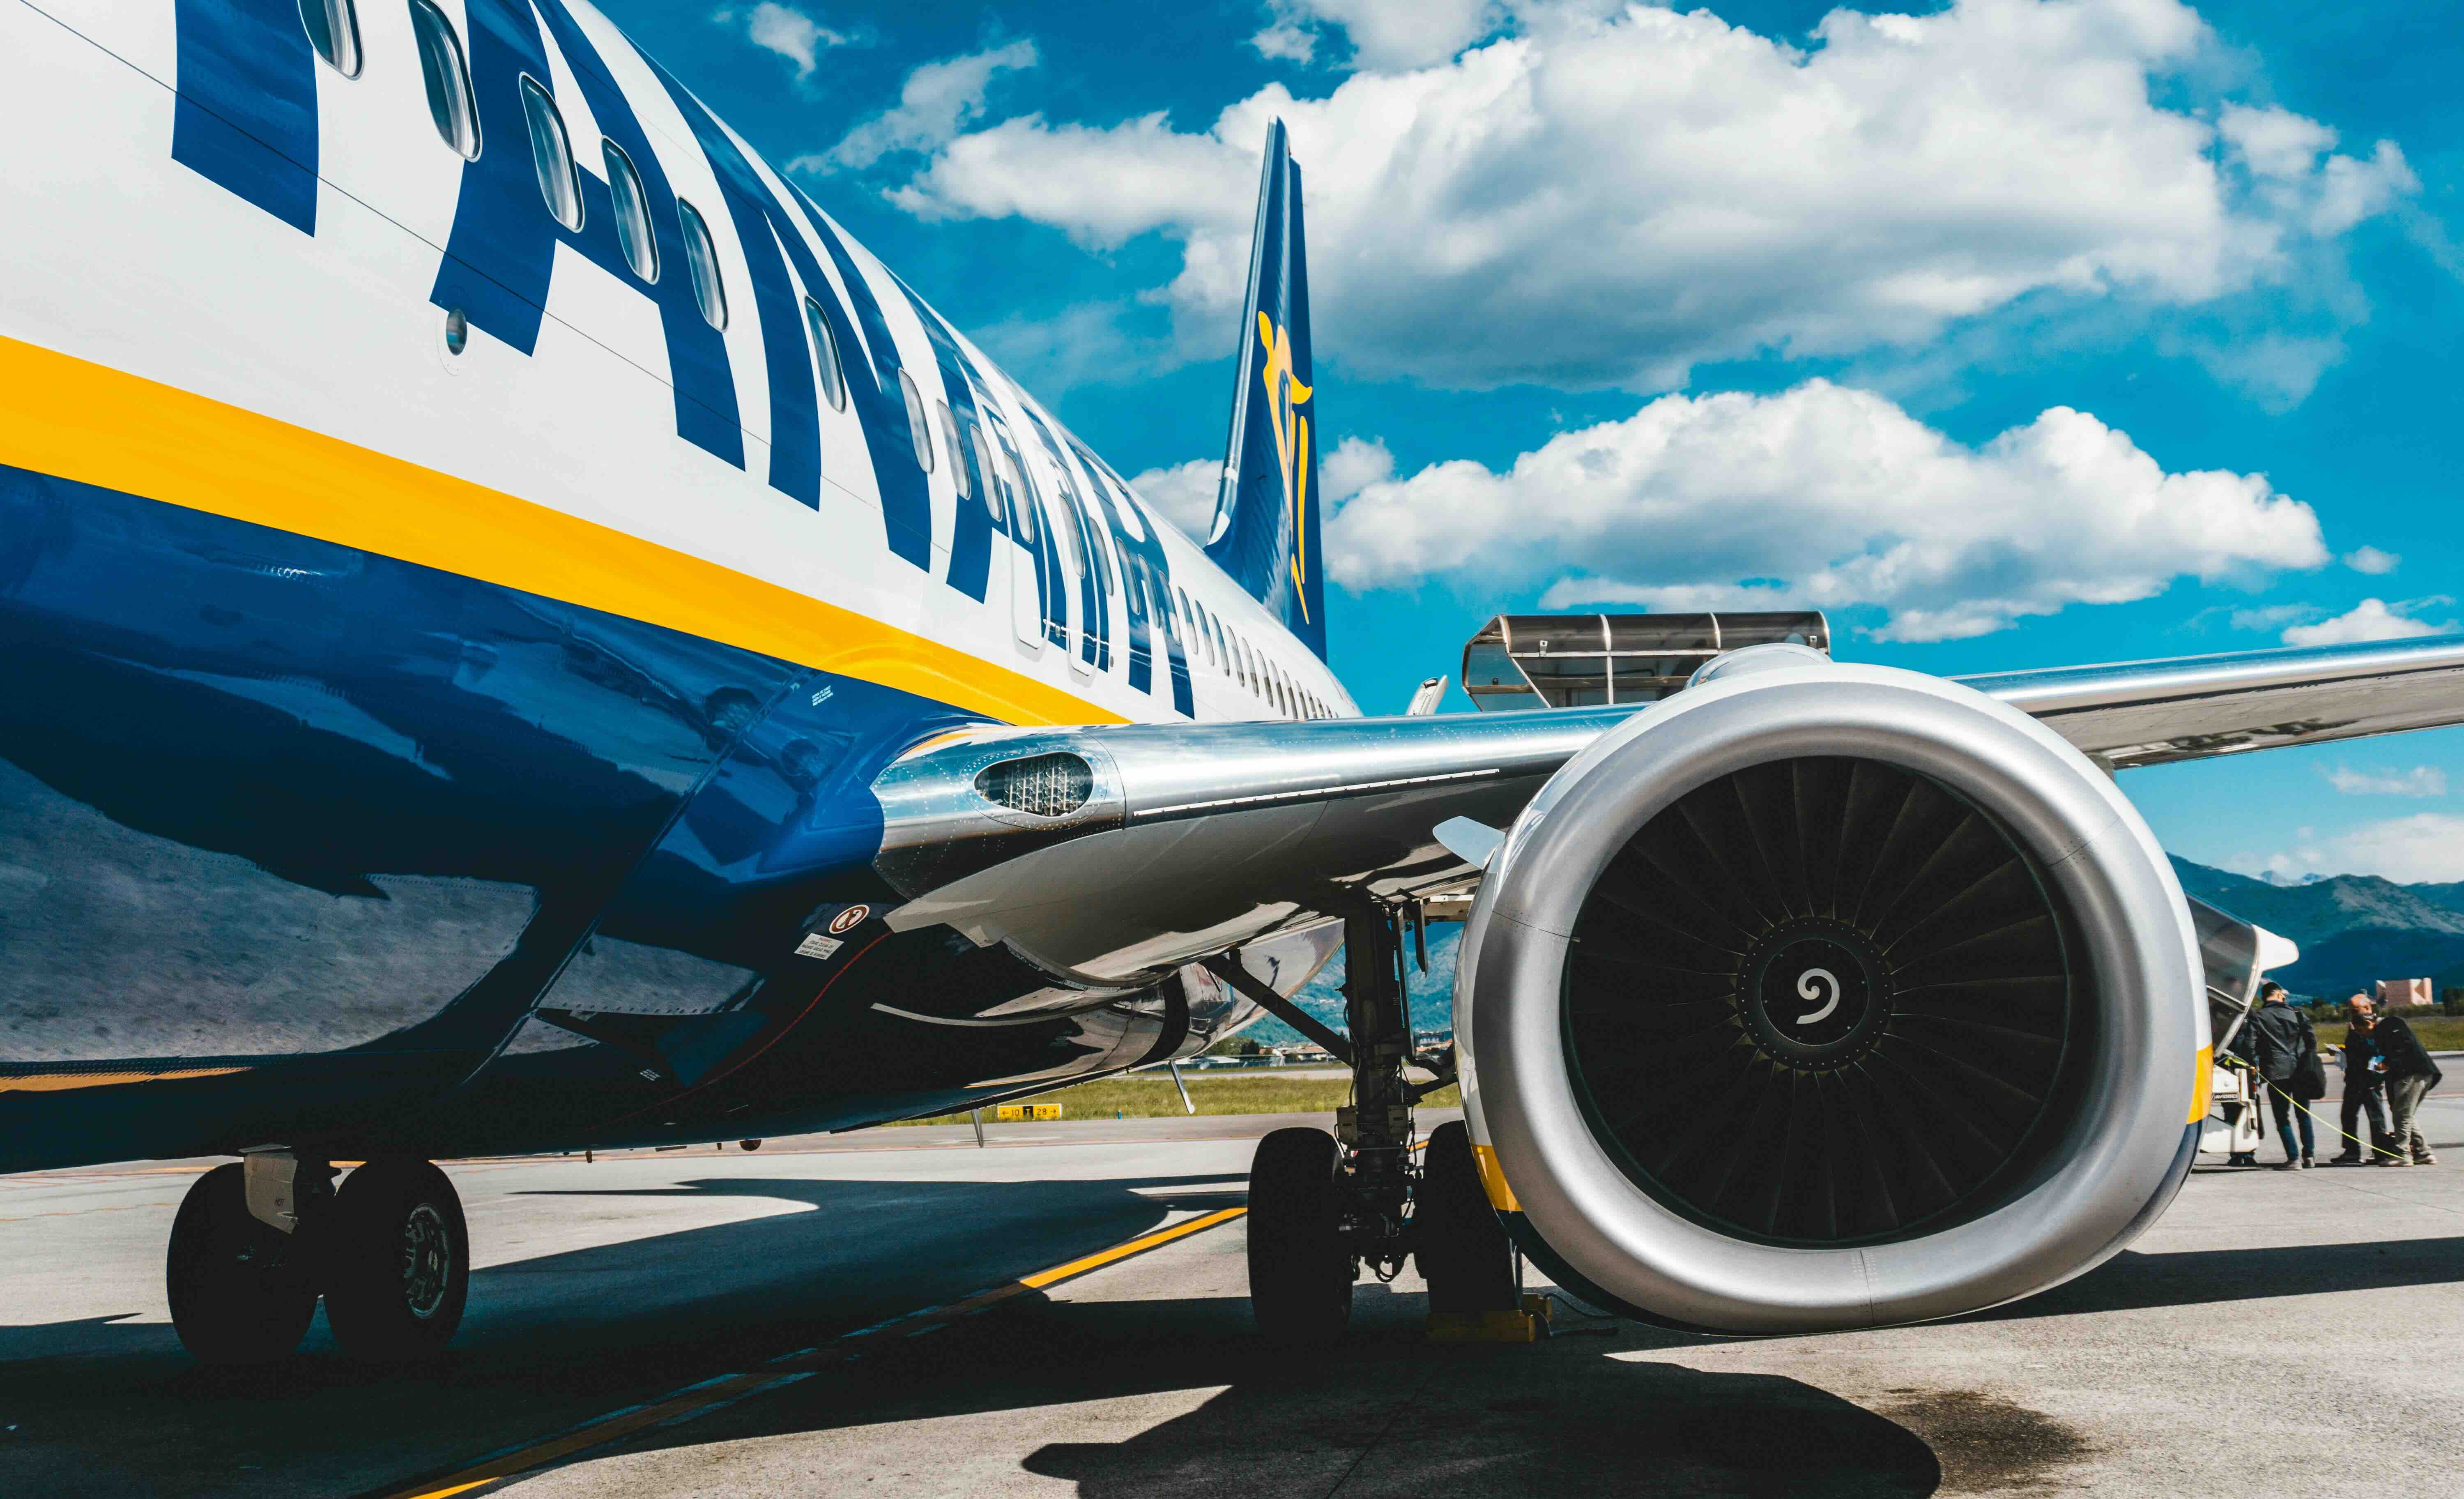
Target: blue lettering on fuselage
<point x="906" y="495"/>
<point x="502" y="249"/>
<point x="1046" y="545"/>
<point x="1095" y="582"/>
<point x="245" y="114"/>
<point x="1146" y="573"/>
<point x="970" y="538"/>
<point x="763" y="229"/>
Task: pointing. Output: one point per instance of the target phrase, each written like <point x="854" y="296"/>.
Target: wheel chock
<point x="1529" y="1325"/>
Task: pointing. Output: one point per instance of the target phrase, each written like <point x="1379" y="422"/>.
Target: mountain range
<point x="2354" y="929"/>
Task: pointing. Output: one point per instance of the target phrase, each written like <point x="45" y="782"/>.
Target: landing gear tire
<point x="1461" y="1249"/>
<point x="1300" y="1268"/>
<point x="238" y="1293"/>
<point x="400" y="1262"/>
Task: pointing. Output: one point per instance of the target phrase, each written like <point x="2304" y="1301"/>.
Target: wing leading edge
<point x="2154" y="713"/>
<point x="1110" y="853"/>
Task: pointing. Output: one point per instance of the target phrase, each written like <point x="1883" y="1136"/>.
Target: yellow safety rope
<point x="2330" y="1129"/>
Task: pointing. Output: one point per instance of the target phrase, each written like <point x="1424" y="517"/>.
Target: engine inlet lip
<point x="1797" y="1021"/>
<point x="2119" y="1156"/>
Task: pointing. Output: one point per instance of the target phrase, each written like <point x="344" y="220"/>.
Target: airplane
<point x="522" y="635"/>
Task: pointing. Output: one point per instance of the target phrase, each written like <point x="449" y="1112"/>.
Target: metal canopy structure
<point x="1593" y="660"/>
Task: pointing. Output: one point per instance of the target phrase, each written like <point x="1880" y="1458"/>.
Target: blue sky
<point x="2009" y="332"/>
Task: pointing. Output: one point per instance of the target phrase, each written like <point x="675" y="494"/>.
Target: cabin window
<point x="1071" y="543"/>
<point x="825" y="352"/>
<point x="957" y="454"/>
<point x="632" y="212"/>
<point x="701" y="259"/>
<point x="918" y="434"/>
<point x="447" y="75"/>
<point x="333" y="29"/>
<point x="560" y="180"/>
<point x="1022" y="506"/>
<point x="992" y="478"/>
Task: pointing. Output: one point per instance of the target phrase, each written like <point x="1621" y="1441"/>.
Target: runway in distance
<point x="520" y="635"/>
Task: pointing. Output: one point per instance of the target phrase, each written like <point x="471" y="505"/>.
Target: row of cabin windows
<point x="333" y="29"/>
<point x="1227" y="652"/>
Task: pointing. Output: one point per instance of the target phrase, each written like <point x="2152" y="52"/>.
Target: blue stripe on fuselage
<point x="244" y="117"/>
<point x="264" y="795"/>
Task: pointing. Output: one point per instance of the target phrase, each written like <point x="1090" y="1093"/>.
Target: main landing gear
<point x="255" y="1245"/>
<point x="1321" y="1205"/>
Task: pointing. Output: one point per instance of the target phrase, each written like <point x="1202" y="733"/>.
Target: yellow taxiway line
<point x="695" y="1399"/>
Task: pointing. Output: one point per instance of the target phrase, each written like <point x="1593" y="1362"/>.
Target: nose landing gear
<point x="390" y="1253"/>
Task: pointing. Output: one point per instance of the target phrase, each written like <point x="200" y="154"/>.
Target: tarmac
<point x="900" y="1313"/>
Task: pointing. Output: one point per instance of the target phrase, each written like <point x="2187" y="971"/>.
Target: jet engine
<point x="1823" y="996"/>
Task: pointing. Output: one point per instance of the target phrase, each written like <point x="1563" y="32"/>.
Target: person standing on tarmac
<point x="2279" y="1042"/>
<point x="2365" y="1085"/>
<point x="2410" y="1073"/>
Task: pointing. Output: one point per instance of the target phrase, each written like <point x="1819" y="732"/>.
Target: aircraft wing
<point x="2153" y="713"/>
<point x="1113" y="853"/>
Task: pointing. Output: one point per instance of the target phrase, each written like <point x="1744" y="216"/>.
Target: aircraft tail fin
<point x="1266" y="531"/>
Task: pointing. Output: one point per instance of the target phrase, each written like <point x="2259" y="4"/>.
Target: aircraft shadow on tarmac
<point x="111" y="1404"/>
<point x="560" y="1337"/>
<point x="2133" y="1281"/>
<point x="1383" y="1409"/>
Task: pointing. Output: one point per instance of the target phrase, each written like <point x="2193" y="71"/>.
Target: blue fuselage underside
<point x="304" y="845"/>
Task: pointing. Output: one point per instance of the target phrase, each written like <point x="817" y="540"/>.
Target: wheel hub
<point x="426" y="1261"/>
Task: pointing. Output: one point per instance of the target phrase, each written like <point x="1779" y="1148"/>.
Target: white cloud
<point x="2371" y="619"/>
<point x="1384" y="33"/>
<point x="1183" y="493"/>
<point x="1285" y="41"/>
<point x="787" y="30"/>
<point x="1825" y="498"/>
<point x="1352" y="466"/>
<point x="2409" y="850"/>
<point x="2419" y="781"/>
<point x="937" y="101"/>
<point x="2370" y="559"/>
<point x="1608" y="200"/>
<point x="2275" y="616"/>
<point x="1102" y="185"/>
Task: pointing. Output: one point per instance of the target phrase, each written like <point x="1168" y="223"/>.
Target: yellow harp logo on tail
<point x="1284" y="397"/>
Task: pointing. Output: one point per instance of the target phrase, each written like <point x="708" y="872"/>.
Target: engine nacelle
<point x="1826" y="996"/>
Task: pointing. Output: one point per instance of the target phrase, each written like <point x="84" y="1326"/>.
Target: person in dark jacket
<point x="2276" y="1038"/>
<point x="2365" y="1085"/>
<point x="2410" y="1074"/>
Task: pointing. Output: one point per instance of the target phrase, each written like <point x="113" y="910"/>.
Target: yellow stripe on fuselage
<point x="76" y="420"/>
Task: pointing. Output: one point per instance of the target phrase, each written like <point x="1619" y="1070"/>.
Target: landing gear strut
<point x="1322" y="1207"/>
<point x="390" y="1253"/>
